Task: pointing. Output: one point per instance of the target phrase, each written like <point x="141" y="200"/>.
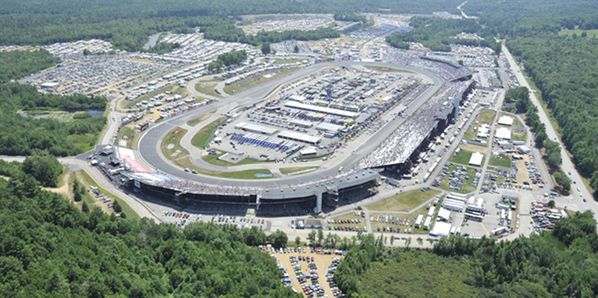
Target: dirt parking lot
<point x="322" y="261"/>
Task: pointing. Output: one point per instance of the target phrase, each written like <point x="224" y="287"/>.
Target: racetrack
<point x="149" y="144"/>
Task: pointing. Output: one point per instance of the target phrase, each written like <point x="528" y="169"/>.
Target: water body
<point x="95" y="113"/>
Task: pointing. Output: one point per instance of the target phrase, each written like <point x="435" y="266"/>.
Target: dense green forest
<point x="17" y="64"/>
<point x="227" y="59"/>
<point x="24" y="112"/>
<point x="562" y="67"/>
<point x="558" y="264"/>
<point x="127" y="24"/>
<point x="438" y="34"/>
<point x="50" y="248"/>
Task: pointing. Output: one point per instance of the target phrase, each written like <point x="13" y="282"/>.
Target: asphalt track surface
<point x="149" y="144"/>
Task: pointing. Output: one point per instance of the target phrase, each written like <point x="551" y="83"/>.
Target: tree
<point x="84" y="208"/>
<point x="297" y="241"/>
<point x="278" y="239"/>
<point x="116" y="206"/>
<point x="296" y="49"/>
<point x="44" y="168"/>
<point x="320" y="236"/>
<point x="551" y="204"/>
<point x="266" y="48"/>
<point x="311" y="237"/>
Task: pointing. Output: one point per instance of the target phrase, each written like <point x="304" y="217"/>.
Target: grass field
<point x="202" y="138"/>
<point x="213" y="159"/>
<point x="132" y="136"/>
<point x="291" y="170"/>
<point x="286" y="61"/>
<point x="200" y="118"/>
<point x="404" y="201"/>
<point x="518" y="131"/>
<point x="416" y="273"/>
<point x="500" y="161"/>
<point x="174" y="138"/>
<point x="207" y="87"/>
<point x="185" y="162"/>
<point x="250" y="82"/>
<point x="467" y="186"/>
<point x="126" y="209"/>
<point x="484" y="117"/>
<point x="462" y="157"/>
<point x="591" y="33"/>
<point x="384" y="69"/>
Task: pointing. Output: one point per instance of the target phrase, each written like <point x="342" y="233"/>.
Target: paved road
<point x="567" y="166"/>
<point x="149" y="144"/>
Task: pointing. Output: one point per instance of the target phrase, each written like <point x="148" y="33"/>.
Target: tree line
<point x="554" y="264"/>
<point x="50" y="248"/>
<point x="519" y="98"/>
<point x="128" y="24"/>
<point x="227" y="59"/>
<point x="560" y="66"/>
<point x="23" y="133"/>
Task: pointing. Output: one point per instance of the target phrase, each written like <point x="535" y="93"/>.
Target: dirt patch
<point x="322" y="262"/>
<point x="64" y="188"/>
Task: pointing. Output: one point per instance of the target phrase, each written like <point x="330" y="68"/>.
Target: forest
<point x="227" y="59"/>
<point x="23" y="111"/>
<point x="562" y="263"/>
<point x="562" y="67"/>
<point x="127" y="24"/>
<point x="50" y="248"/>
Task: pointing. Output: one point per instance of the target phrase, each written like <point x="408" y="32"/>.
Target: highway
<point x="578" y="189"/>
<point x="149" y="144"/>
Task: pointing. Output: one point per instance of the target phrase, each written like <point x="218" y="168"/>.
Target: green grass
<point x="207" y="87"/>
<point x="462" y="157"/>
<point x="518" y="130"/>
<point x="202" y="138"/>
<point x="467" y="186"/>
<point x="417" y="273"/>
<point x="85" y="142"/>
<point x="200" y="118"/>
<point x="568" y="32"/>
<point x="384" y="69"/>
<point x="253" y="81"/>
<point x="86" y="197"/>
<point x="213" y="159"/>
<point x="174" y="137"/>
<point x="484" y="117"/>
<point x="404" y="201"/>
<point x="126" y="209"/>
<point x="132" y="136"/>
<point x="500" y="161"/>
<point x="291" y="170"/>
<point x="245" y="175"/>
<point x="543" y="104"/>
<point x="286" y="61"/>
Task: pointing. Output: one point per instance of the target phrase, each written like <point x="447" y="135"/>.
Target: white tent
<point x="476" y="159"/>
<point x="503" y="133"/>
<point x="505" y="120"/>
